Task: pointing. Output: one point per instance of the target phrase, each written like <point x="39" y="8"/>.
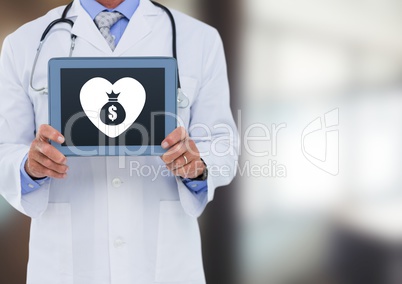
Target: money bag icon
<point x="112" y="113"/>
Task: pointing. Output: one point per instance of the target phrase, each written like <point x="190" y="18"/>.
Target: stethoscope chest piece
<point x="182" y="99"/>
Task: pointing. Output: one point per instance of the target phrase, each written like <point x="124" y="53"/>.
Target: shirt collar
<point x="127" y="8"/>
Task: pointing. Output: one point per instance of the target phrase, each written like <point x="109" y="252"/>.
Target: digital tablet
<point x="113" y="106"/>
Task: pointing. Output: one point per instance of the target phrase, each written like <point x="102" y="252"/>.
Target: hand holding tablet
<point x="44" y="160"/>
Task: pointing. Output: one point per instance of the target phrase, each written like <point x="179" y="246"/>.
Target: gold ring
<point x="185" y="159"/>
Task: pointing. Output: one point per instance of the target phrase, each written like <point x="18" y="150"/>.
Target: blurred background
<point x="317" y="96"/>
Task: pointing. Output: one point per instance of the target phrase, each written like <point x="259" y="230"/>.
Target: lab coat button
<point x="119" y="243"/>
<point x="116" y="182"/>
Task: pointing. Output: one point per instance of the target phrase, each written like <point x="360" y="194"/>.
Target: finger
<point x="49" y="164"/>
<point x="191" y="170"/>
<point x="192" y="148"/>
<point x="181" y="161"/>
<point x="46" y="162"/>
<point x="187" y="147"/>
<point x="174" y="152"/>
<point x="51" y="152"/>
<point x="179" y="134"/>
<point x="46" y="132"/>
<point x="39" y="170"/>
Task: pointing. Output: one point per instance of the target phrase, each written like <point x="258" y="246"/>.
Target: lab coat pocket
<point x="179" y="256"/>
<point x="51" y="246"/>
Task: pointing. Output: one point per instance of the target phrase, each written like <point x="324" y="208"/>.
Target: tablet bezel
<point x="57" y="64"/>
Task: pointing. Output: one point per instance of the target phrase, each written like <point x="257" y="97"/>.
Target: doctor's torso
<point x="114" y="219"/>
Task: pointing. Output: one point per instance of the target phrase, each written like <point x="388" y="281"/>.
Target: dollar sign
<point x="113" y="114"/>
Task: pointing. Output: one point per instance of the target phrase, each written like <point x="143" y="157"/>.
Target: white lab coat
<point x="104" y="223"/>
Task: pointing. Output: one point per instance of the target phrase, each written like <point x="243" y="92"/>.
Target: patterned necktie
<point x="104" y="21"/>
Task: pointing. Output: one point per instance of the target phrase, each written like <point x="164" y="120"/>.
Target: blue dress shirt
<point x="127" y="9"/>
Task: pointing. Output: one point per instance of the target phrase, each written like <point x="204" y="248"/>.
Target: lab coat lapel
<point x="139" y="27"/>
<point x="85" y="28"/>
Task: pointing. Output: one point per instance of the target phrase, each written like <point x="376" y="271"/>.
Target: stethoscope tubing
<point x="64" y="19"/>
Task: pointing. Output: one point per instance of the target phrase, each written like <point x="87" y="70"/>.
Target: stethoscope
<point x="182" y="99"/>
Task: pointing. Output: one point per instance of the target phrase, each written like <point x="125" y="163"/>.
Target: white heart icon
<point x="94" y="96"/>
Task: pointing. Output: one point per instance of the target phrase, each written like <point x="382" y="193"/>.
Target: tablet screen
<point x="85" y="133"/>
